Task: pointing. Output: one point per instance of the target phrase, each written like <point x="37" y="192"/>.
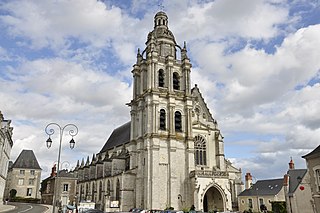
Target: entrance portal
<point x="213" y="200"/>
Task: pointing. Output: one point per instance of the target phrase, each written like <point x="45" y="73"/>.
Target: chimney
<point x="286" y="180"/>
<point x="248" y="182"/>
<point x="291" y="164"/>
<point x="54" y="171"/>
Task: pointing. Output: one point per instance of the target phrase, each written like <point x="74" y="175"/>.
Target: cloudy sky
<point x="257" y="63"/>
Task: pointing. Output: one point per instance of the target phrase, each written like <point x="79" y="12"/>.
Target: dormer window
<point x="161" y="78"/>
<point x="176" y="81"/>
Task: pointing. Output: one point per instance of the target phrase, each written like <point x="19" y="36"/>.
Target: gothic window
<point x="87" y="190"/>
<point x="175" y="81"/>
<point x="200" y="150"/>
<point x="162" y="119"/>
<point x="93" y="191"/>
<point x="177" y="121"/>
<point x="108" y="187"/>
<point x="100" y="190"/>
<point x="127" y="162"/>
<point x="118" y="190"/>
<point x="161" y="78"/>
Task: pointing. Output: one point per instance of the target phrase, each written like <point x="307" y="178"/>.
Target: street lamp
<point x="50" y="131"/>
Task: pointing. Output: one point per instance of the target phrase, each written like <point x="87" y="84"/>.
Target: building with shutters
<point x="171" y="152"/>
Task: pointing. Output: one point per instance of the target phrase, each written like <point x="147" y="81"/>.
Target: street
<point x="27" y="207"/>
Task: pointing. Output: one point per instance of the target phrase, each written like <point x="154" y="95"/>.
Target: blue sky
<point x="256" y="63"/>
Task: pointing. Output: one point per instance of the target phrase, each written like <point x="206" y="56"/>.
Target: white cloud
<point x="84" y="77"/>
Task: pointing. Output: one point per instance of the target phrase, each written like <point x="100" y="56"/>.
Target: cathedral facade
<point x="171" y="153"/>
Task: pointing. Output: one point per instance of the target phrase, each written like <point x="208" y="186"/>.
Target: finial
<point x="184" y="45"/>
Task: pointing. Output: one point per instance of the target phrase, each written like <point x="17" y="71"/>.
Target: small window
<point x="20" y="181"/>
<point x="317" y="174"/>
<point x="250" y="203"/>
<point x="21" y="172"/>
<point x="175" y="81"/>
<point x="65" y="187"/>
<point x="29" y="191"/>
<point x="261" y="201"/>
<point x="31" y="181"/>
<point x="162" y="119"/>
<point x="177" y="121"/>
<point x="161" y="78"/>
<point x="32" y="172"/>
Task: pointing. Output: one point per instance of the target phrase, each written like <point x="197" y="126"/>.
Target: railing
<point x="206" y="173"/>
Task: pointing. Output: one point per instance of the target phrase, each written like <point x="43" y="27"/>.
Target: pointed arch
<point x="108" y="187"/>
<point x="118" y="190"/>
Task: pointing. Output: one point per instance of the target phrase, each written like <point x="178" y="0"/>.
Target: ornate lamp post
<point x="50" y="131"/>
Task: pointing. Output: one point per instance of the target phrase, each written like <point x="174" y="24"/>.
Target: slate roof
<point x="119" y="136"/>
<point x="295" y="177"/>
<point x="314" y="153"/>
<point x="264" y="187"/>
<point x="26" y="160"/>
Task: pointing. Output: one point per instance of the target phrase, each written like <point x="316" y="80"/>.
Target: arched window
<point x="100" y="190"/>
<point x="177" y="121"/>
<point x="200" y="150"/>
<point x="118" y="190"/>
<point x="127" y="162"/>
<point x="108" y="187"/>
<point x="175" y="81"/>
<point x="161" y="78"/>
<point x="93" y="192"/>
<point x="162" y="119"/>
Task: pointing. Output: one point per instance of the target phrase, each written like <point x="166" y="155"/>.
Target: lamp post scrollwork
<point x="73" y="131"/>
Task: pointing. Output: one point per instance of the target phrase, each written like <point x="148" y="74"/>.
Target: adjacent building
<point x="24" y="176"/>
<point x="262" y="192"/>
<point x="297" y="190"/>
<point x="313" y="165"/>
<point x="171" y="152"/>
<point x="65" y="188"/>
<point x="6" y="144"/>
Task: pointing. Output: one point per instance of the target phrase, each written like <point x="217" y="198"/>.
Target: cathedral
<point x="171" y="152"/>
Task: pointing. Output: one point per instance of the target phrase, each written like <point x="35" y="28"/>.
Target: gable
<point x="200" y="103"/>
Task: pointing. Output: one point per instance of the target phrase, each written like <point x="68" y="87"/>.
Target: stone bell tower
<point x="161" y="125"/>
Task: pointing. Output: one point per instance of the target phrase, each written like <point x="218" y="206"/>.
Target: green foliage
<point x="279" y="207"/>
<point x="25" y="200"/>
